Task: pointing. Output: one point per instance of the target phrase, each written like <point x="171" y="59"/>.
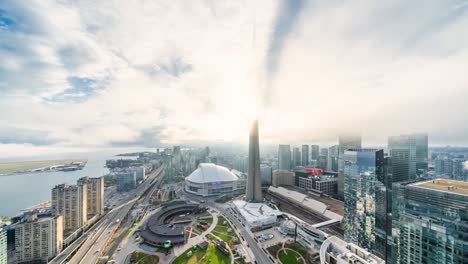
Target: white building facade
<point x="211" y="180"/>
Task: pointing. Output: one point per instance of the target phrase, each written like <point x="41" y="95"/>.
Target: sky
<point x="87" y="74"/>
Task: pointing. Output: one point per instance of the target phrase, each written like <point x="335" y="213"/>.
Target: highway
<point x="90" y="251"/>
<point x="157" y="184"/>
<point x="88" y="248"/>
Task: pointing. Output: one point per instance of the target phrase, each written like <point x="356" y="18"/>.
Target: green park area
<point x="206" y="218"/>
<point x="290" y="253"/>
<point x="225" y="231"/>
<point x="211" y="255"/>
<point x="143" y="258"/>
<point x="12" y="167"/>
<point x="287" y="256"/>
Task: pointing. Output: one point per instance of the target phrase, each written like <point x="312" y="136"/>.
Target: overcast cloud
<point x="77" y="74"/>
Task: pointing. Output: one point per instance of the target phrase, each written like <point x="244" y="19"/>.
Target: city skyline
<point x="83" y="69"/>
<point x="362" y="210"/>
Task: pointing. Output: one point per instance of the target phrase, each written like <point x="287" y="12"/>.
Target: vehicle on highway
<point x="118" y="220"/>
<point x="97" y="250"/>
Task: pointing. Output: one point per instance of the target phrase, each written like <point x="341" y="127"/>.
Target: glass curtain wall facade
<point x="344" y="143"/>
<point x="284" y="157"/>
<point x="365" y="199"/>
<point x="429" y="225"/>
<point x="305" y="155"/>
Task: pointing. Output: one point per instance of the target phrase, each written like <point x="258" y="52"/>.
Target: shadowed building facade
<point x="430" y="221"/>
<point x="254" y="180"/>
<point x="366" y="218"/>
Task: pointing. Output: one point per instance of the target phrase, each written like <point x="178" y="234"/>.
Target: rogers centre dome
<point x="210" y="180"/>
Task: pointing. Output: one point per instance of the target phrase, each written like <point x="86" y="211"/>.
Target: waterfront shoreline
<point x="22" y="167"/>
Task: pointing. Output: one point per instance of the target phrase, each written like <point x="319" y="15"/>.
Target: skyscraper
<point x="70" y="201"/>
<point x="38" y="239"/>
<point x="324" y="152"/>
<point x="365" y="201"/>
<point x="95" y="194"/>
<point x="305" y="155"/>
<point x="284" y="157"/>
<point x="345" y="142"/>
<point x="332" y="164"/>
<point x="314" y="152"/>
<point x="322" y="162"/>
<point x="3" y="246"/>
<point x="402" y="151"/>
<point x="422" y="153"/>
<point x="430" y="221"/>
<point x="296" y="157"/>
<point x="254" y="180"/>
<point x="267" y="175"/>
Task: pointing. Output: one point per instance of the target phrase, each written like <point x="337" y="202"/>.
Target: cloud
<point x="376" y="68"/>
<point x="112" y="73"/>
<point x="287" y="15"/>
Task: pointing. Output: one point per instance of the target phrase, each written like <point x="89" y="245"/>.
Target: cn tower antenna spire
<point x="254" y="188"/>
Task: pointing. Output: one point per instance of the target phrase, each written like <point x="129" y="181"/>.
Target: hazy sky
<point x="85" y="74"/>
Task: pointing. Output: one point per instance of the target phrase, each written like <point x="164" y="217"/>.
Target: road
<point x="260" y="256"/>
<point x="87" y="248"/>
<point x="156" y="184"/>
<point x="90" y="251"/>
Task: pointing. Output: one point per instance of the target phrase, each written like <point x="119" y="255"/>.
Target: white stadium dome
<point x="210" y="179"/>
<point x="209" y="172"/>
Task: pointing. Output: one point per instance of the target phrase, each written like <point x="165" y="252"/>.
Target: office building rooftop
<point x="446" y="185"/>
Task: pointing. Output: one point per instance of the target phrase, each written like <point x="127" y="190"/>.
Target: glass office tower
<point x="284" y="157"/>
<point x="409" y="155"/>
<point x="305" y="155"/>
<point x="430" y="221"/>
<point x="296" y="157"/>
<point x="345" y="142"/>
<point x="422" y="153"/>
<point x="365" y="199"/>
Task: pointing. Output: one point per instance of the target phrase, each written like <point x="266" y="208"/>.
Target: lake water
<point x="21" y="191"/>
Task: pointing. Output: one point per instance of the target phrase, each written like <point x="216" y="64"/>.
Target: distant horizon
<point x="103" y="74"/>
<point x="81" y="153"/>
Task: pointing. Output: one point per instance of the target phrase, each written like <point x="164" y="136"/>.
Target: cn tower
<point x="254" y="188"/>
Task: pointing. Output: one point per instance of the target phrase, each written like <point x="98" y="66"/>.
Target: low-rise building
<point x="337" y="251"/>
<point x="322" y="183"/>
<point x="256" y="215"/>
<point x="282" y="177"/>
<point x="306" y="202"/>
<point x="126" y="180"/>
<point x="38" y="239"/>
<point x="140" y="173"/>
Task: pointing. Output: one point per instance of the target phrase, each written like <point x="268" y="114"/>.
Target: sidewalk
<point x="196" y="240"/>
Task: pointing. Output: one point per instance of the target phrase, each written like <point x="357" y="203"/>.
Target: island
<point x="9" y="168"/>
